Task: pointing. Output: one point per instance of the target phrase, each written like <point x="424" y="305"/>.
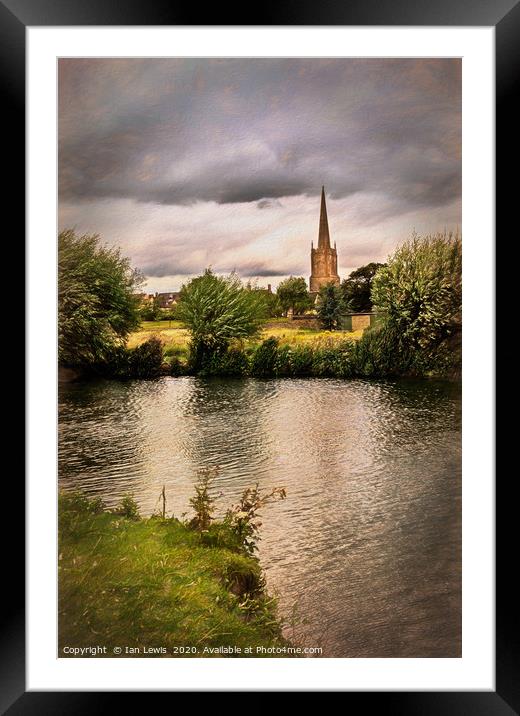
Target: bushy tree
<point x="150" y="311"/>
<point x="420" y="292"/>
<point x="97" y="303"/>
<point x="216" y="309"/>
<point x="293" y="295"/>
<point x="357" y="288"/>
<point x="330" y="306"/>
<point x="274" y="307"/>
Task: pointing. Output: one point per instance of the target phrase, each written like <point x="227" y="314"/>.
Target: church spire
<point x="323" y="236"/>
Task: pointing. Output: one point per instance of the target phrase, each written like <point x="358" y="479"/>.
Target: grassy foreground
<point x="155" y="587"/>
<point x="175" y="337"/>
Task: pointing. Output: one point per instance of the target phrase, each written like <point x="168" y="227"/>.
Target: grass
<point x="128" y="582"/>
<point x="175" y="338"/>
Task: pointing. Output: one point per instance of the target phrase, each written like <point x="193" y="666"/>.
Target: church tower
<point x="324" y="259"/>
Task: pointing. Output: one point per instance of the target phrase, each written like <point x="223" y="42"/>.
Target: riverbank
<point x="154" y="587"/>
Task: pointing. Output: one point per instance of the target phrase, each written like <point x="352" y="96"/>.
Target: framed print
<point x="260" y="359"/>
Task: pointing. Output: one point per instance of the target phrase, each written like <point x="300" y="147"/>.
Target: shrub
<point x="116" y="365"/>
<point x="177" y="367"/>
<point x="243" y="518"/>
<point x="230" y="361"/>
<point x="283" y="363"/>
<point x="420" y="292"/>
<point x="333" y="361"/>
<point x="79" y="503"/>
<point x="234" y="362"/>
<point x="302" y="358"/>
<point x="380" y="353"/>
<point x="263" y="362"/>
<point x="127" y="508"/>
<point x="145" y="360"/>
<point x="203" y="502"/>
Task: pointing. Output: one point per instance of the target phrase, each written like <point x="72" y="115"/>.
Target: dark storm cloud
<point x="188" y="267"/>
<point x="177" y="132"/>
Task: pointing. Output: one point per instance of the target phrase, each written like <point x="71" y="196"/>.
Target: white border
<point x="475" y="670"/>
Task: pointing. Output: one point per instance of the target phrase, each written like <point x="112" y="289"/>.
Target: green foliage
<point x="168" y="314"/>
<point x="301" y="361"/>
<point x="244" y="518"/>
<point x="274" y="307"/>
<point x="146" y="359"/>
<point x="272" y="360"/>
<point x="143" y="361"/>
<point x="215" y="310"/>
<point x="150" y="311"/>
<point x="203" y="502"/>
<point x="379" y="353"/>
<point x="420" y="295"/>
<point x="357" y="288"/>
<point x="97" y="303"/>
<point x="283" y="362"/>
<point x="231" y="361"/>
<point x="420" y="292"/>
<point x="330" y="306"/>
<point x="177" y="367"/>
<point x="128" y="508"/>
<point x="263" y="363"/>
<point x="333" y="362"/>
<point x="293" y="295"/>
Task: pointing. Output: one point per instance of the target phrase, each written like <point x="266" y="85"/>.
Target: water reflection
<point x="367" y="543"/>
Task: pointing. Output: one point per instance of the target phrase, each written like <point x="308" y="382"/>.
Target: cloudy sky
<point x="189" y="163"/>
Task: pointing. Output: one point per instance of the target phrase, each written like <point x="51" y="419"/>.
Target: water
<point x="365" y="550"/>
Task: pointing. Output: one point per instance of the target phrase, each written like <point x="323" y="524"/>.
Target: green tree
<point x="292" y="294"/>
<point x="97" y="303"/>
<point x="420" y="292"/>
<point x="216" y="309"/>
<point x="151" y="311"/>
<point x="330" y="306"/>
<point x="274" y="307"/>
<point x="357" y="287"/>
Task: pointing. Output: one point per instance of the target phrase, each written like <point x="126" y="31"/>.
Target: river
<point x="365" y="552"/>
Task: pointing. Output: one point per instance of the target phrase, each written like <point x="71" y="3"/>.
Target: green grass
<point x="143" y="583"/>
<point x="175" y="338"/>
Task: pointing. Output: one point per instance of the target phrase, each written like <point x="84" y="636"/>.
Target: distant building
<point x="145" y="298"/>
<point x="324" y="259"/>
<point x="167" y="300"/>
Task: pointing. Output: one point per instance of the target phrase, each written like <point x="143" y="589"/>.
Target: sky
<point x="194" y="163"/>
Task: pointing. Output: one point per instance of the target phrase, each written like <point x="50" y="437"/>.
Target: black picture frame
<point x="504" y="15"/>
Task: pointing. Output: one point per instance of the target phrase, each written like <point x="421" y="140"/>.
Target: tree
<point x="330" y="306"/>
<point x="293" y="294"/>
<point x="274" y="307"/>
<point x="97" y="303"/>
<point x="420" y="291"/>
<point x="216" y="309"/>
<point x="357" y="287"/>
<point x="151" y="311"/>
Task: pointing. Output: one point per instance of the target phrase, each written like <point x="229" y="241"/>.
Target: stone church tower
<point x="324" y="259"/>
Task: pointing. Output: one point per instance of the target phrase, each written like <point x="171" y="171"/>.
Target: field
<point x="175" y="337"/>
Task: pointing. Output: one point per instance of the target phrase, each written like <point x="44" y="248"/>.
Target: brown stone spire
<point x="324" y="259"/>
<point x="323" y="235"/>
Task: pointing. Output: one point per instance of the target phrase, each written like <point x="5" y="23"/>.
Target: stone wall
<point x="360" y="321"/>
